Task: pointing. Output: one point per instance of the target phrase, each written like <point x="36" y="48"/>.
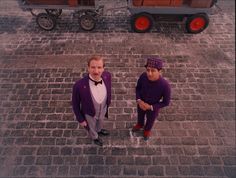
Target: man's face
<point x="96" y="68"/>
<point x="153" y="74"/>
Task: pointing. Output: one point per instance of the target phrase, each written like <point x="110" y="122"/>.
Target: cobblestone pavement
<point x="39" y="136"/>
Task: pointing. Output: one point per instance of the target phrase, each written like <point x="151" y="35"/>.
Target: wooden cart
<point x="194" y="11"/>
<point x="142" y="12"/>
<point x="87" y="12"/>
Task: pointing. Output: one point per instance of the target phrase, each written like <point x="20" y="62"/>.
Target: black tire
<point x="197" y="23"/>
<point x="46" y="21"/>
<point x="87" y="22"/>
<point x="54" y="12"/>
<point x="142" y="22"/>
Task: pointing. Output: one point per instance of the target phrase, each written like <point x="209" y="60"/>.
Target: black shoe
<point x="146" y="138"/>
<point x="103" y="132"/>
<point x="98" y="142"/>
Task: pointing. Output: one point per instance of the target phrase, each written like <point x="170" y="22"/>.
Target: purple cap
<point x="154" y="63"/>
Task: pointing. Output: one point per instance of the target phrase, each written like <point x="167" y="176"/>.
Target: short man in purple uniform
<point x="152" y="93"/>
<point x="91" y="98"/>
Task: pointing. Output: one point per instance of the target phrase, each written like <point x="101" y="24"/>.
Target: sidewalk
<point x="39" y="137"/>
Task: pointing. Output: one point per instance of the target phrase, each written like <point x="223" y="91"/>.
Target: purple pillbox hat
<point x="154" y="63"/>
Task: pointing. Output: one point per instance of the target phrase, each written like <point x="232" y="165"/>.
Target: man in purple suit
<point x="152" y="93"/>
<point x="91" y="98"/>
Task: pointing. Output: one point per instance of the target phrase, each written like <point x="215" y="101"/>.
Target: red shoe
<point x="146" y="135"/>
<point x="136" y="128"/>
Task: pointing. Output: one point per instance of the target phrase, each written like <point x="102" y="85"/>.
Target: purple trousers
<point x="151" y="117"/>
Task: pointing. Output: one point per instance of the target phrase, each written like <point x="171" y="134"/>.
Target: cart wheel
<point x="142" y="22"/>
<point x="197" y="23"/>
<point x="54" y="12"/>
<point x="46" y="21"/>
<point x="87" y="22"/>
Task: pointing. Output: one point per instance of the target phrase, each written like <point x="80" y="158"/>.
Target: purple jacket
<point x="157" y="93"/>
<point x="82" y="100"/>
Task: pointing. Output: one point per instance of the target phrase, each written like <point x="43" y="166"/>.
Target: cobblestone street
<point x="39" y="136"/>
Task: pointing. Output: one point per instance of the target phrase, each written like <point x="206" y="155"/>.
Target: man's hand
<point x="144" y="106"/>
<point x="148" y="106"/>
<point x="84" y="124"/>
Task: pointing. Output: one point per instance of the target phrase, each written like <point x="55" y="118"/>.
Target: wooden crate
<point x="200" y="3"/>
<point x="137" y="2"/>
<point x="73" y="2"/>
<point x="156" y="2"/>
<point x="47" y="2"/>
<point x="176" y="3"/>
<point x="86" y="2"/>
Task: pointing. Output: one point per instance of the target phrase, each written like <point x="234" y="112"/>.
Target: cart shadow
<point x="11" y="24"/>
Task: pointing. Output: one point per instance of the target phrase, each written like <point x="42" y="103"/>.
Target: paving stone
<point x="86" y="170"/>
<point x="66" y="151"/>
<point x="29" y="160"/>
<point x="171" y="171"/>
<point x="43" y="160"/>
<point x="97" y="160"/>
<point x="115" y="170"/>
<point x="230" y="171"/>
<point x="111" y="160"/>
<point x="20" y="171"/>
<point x="129" y="160"/>
<point x="100" y="170"/>
<point x="63" y="170"/>
<point x="51" y="171"/>
<point x="196" y="171"/>
<point x="157" y="171"/>
<point x="214" y="171"/>
<point x="27" y="151"/>
<point x="130" y="170"/>
<point x="119" y="151"/>
<point x="74" y="171"/>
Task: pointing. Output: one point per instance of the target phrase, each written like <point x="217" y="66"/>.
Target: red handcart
<point x="195" y="13"/>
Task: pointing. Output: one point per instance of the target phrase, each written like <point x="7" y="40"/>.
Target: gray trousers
<point x="95" y="125"/>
